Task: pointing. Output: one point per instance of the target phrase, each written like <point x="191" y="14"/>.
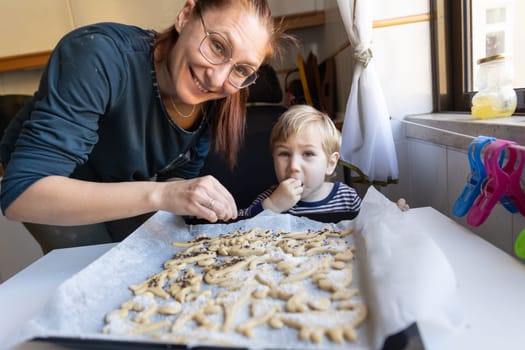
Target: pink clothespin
<point x="502" y="181"/>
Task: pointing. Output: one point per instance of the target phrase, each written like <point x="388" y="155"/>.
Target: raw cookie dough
<point x="242" y="281"/>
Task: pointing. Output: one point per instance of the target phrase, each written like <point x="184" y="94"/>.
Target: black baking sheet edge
<point x="98" y="344"/>
<point x="407" y="339"/>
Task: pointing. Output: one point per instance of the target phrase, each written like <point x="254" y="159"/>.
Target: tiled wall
<point x="434" y="175"/>
<point x="437" y="175"/>
<point x="430" y="174"/>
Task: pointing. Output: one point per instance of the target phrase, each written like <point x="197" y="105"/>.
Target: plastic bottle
<point x="496" y="96"/>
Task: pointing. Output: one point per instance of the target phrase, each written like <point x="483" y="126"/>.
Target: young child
<point x="305" y="147"/>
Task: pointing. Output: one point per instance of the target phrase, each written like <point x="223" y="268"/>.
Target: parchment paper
<point x="406" y="275"/>
<point x="402" y="274"/>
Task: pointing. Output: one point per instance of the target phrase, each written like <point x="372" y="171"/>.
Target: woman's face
<point x="193" y="78"/>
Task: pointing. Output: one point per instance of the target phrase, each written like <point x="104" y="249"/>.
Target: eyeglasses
<point x="216" y="49"/>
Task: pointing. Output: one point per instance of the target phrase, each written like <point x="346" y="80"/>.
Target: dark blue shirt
<point x="342" y="198"/>
<point x="98" y="116"/>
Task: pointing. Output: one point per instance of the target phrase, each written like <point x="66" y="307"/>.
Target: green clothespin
<point x="519" y="245"/>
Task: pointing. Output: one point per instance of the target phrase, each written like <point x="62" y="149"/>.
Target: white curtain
<point x="367" y="134"/>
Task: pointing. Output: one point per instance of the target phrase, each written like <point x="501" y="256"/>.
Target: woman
<point x="119" y="106"/>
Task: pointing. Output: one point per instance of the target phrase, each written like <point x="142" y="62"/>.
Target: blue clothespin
<point x="477" y="176"/>
<point x="508" y="204"/>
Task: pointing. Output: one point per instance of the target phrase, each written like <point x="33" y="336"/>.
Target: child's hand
<point x="285" y="196"/>
<point x="402" y="204"/>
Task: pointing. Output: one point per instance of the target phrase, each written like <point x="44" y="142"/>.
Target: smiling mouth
<point x="198" y="83"/>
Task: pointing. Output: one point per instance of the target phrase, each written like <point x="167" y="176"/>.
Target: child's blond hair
<point x="298" y="117"/>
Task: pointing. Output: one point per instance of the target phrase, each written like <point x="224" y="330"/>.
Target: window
<point x="463" y="31"/>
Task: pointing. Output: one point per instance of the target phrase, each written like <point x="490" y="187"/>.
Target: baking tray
<point x="407" y="339"/>
<point x="382" y="238"/>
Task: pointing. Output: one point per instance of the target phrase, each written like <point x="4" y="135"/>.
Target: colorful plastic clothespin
<point x="510" y="167"/>
<point x="519" y="245"/>
<point x="477" y="176"/>
<point x="502" y="182"/>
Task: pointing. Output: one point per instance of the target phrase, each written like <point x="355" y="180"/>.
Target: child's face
<point x="302" y="157"/>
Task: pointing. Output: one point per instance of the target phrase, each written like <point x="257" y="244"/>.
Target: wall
<point x="281" y="8"/>
<point x="403" y="63"/>
<point x="61" y="17"/>
<point x="402" y="57"/>
<point x="17" y="248"/>
<point x="431" y="174"/>
<point x="437" y="175"/>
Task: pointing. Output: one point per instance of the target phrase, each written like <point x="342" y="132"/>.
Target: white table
<point x="491" y="287"/>
<point x="23" y="295"/>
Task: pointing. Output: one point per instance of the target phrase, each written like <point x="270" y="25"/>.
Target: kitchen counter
<point x="491" y="285"/>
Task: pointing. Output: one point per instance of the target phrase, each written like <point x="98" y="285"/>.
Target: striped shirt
<point x="342" y="198"/>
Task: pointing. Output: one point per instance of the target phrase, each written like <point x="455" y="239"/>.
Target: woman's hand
<point x="203" y="197"/>
<point x="56" y="200"/>
<point x="285" y="196"/>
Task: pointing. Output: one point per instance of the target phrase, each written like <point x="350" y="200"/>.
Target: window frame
<point x="451" y="64"/>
